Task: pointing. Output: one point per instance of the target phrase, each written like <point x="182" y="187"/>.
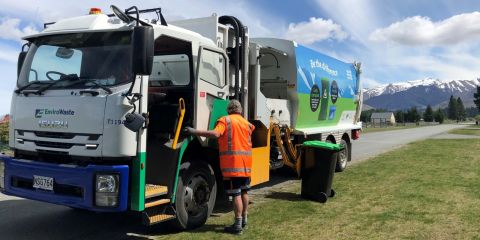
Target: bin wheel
<point x="322" y="197"/>
<point x="332" y="193"/>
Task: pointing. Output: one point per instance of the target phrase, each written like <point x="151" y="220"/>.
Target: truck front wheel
<point x="196" y="193"/>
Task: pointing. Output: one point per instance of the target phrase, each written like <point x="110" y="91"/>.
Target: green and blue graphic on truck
<point x="326" y="88"/>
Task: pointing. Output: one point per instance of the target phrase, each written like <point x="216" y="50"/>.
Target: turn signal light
<point x="95" y="11"/>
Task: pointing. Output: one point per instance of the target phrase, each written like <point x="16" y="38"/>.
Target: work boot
<point x="244" y="221"/>
<point x="235" y="228"/>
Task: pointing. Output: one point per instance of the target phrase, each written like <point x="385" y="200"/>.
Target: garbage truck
<point x="101" y="101"/>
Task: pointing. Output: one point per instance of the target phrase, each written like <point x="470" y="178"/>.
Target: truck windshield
<point x="102" y="58"/>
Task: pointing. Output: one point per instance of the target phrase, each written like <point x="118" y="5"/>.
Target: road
<point x="372" y="144"/>
<point x="25" y="219"/>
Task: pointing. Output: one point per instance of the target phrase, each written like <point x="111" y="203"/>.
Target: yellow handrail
<point x="181" y="107"/>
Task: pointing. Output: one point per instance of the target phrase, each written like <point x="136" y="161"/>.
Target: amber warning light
<point x="95" y="11"/>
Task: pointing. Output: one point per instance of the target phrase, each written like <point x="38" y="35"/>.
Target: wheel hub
<point x="197" y="195"/>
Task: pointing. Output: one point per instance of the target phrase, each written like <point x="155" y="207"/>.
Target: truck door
<point x="211" y="90"/>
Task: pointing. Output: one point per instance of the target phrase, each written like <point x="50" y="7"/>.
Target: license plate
<point x="45" y="183"/>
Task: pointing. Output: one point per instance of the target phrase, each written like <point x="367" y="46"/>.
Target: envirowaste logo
<point x="39" y="113"/>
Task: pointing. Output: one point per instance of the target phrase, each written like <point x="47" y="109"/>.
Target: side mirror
<point x="142" y="55"/>
<point x="21" y="59"/>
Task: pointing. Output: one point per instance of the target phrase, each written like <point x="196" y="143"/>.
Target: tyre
<point x="195" y="196"/>
<point x="343" y="157"/>
<point x="332" y="193"/>
<point x="321" y="197"/>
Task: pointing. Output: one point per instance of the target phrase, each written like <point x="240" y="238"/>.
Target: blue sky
<point x="395" y="40"/>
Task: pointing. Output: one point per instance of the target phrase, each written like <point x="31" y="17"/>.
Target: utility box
<point x="318" y="167"/>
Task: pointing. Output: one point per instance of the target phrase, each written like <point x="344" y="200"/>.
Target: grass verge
<point x="470" y="130"/>
<point x="425" y="190"/>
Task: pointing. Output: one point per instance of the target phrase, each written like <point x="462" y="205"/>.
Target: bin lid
<point x="323" y="145"/>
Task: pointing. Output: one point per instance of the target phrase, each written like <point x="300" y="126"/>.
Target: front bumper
<point x="74" y="186"/>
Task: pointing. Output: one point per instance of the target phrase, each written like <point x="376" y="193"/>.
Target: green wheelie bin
<point x="317" y="169"/>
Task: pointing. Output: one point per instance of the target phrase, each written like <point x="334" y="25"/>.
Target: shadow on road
<point x="26" y="219"/>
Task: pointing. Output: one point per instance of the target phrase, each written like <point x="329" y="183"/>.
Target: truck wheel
<point x="342" y="157"/>
<point x="196" y="193"/>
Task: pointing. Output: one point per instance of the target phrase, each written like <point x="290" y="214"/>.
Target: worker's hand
<point x="189" y="131"/>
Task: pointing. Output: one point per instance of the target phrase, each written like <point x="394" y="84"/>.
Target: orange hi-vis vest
<point x="235" y="146"/>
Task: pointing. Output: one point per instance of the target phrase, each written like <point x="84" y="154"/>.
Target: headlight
<point x="107" y="183"/>
<point x="2" y="175"/>
<point x="106" y="190"/>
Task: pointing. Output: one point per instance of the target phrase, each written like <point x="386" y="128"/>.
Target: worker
<point x="235" y="150"/>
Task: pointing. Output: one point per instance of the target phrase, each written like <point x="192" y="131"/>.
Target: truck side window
<point x="170" y="70"/>
<point x="212" y="68"/>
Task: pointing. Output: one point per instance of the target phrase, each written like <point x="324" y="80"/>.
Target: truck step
<point x="156" y="215"/>
<point x="155" y="203"/>
<point x="152" y="191"/>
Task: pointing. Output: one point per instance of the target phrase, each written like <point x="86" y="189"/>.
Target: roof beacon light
<point x="95" y="11"/>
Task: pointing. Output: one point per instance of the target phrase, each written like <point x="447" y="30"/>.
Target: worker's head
<point x="234" y="106"/>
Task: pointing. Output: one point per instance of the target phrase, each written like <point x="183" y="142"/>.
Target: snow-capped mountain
<point x="420" y="93"/>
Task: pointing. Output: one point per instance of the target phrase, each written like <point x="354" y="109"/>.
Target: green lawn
<point x="425" y="190"/>
<point x="470" y="130"/>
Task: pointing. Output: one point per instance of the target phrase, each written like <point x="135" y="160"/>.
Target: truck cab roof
<point x="102" y="22"/>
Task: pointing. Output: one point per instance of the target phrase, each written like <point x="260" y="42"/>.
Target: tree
<point x="399" y="116"/>
<point x="462" y="114"/>
<point x="476" y="97"/>
<point x="4" y="133"/>
<point x="452" y="109"/>
<point x="428" y="114"/>
<point x="439" y="117"/>
<point x="471" y="112"/>
<point x="413" y="115"/>
<point x="365" y="116"/>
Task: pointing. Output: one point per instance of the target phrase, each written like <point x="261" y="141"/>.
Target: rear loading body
<point x="101" y="101"/>
<point x="316" y="92"/>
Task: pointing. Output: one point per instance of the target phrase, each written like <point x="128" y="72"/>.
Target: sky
<point x="396" y="41"/>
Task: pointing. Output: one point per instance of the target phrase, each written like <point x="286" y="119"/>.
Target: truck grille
<point x="62" y="135"/>
<point x="59" y="135"/>
<point x="54" y="144"/>
<point x="54" y="135"/>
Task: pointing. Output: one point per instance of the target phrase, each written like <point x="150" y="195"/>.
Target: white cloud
<point x="10" y="29"/>
<point x="369" y="82"/>
<point x="315" y="30"/>
<point x="5" y="97"/>
<point x="8" y="54"/>
<point x="258" y="20"/>
<point x="420" y="30"/>
<point x="443" y="68"/>
<point x="358" y="17"/>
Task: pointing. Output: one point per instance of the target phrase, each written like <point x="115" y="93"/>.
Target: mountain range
<point x="419" y="93"/>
